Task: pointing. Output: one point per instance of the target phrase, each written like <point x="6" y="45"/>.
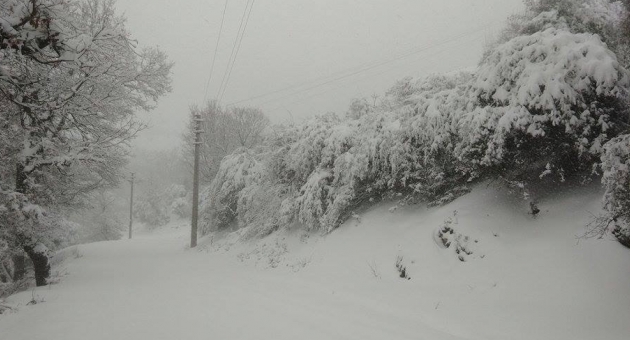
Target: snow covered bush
<point x="317" y="173"/>
<point x="616" y="181"/>
<point x="260" y="209"/>
<point x="433" y="130"/>
<point x="548" y="102"/>
<point x="236" y="172"/>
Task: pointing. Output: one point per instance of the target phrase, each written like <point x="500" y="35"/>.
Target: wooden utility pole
<point x="195" y="205"/>
<point x="131" y="206"/>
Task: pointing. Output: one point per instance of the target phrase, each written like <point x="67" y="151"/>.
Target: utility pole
<point x="195" y="205"/>
<point x="131" y="206"/>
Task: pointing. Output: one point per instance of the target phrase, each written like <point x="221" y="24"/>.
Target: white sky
<point x="356" y="47"/>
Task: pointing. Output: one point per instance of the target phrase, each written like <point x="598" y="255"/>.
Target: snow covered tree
<point x="73" y="78"/>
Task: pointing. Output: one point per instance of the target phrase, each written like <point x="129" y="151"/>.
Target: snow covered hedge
<point x="549" y="100"/>
<point x="542" y="103"/>
<point x="236" y="177"/>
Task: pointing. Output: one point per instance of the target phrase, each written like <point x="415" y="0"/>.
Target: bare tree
<point x="248" y="125"/>
<point x="225" y="130"/>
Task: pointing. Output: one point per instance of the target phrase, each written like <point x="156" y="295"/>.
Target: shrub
<point x="548" y="102"/>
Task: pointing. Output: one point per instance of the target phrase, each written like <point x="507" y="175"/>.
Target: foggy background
<point x="301" y="58"/>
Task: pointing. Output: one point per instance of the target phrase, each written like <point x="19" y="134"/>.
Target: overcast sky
<point x="299" y="58"/>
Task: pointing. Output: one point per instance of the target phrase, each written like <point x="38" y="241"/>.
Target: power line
<point x="214" y="57"/>
<point x="227" y="80"/>
<point x="238" y="48"/>
<point x="336" y="87"/>
<point x="321" y="81"/>
<point x="345" y="74"/>
<point x="357" y="72"/>
<point x="238" y="37"/>
<point x="227" y="68"/>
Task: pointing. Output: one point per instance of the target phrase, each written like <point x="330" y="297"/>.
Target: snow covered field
<point x="525" y="278"/>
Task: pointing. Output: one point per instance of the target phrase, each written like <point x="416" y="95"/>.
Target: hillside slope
<point x="526" y="278"/>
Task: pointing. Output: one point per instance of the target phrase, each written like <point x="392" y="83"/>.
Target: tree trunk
<point x="20" y="178"/>
<point x="41" y="263"/>
<point x="5" y="274"/>
<point x="38" y="253"/>
<point x="19" y="260"/>
<point x="19" y="267"/>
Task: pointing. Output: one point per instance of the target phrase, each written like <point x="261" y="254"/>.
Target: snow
<point x="527" y="278"/>
<point x="40" y="248"/>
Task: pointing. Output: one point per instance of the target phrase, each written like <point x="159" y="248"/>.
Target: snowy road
<point x="153" y="288"/>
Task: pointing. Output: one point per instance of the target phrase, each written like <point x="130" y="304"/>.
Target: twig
<point x="598" y="226"/>
<point x="6" y="271"/>
<point x="374" y="269"/>
<point x="7" y="307"/>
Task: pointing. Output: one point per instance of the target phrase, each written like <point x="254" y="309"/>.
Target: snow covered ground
<point x="525" y="278"/>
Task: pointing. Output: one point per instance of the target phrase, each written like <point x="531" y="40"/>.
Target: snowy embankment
<point x="525" y="278"/>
